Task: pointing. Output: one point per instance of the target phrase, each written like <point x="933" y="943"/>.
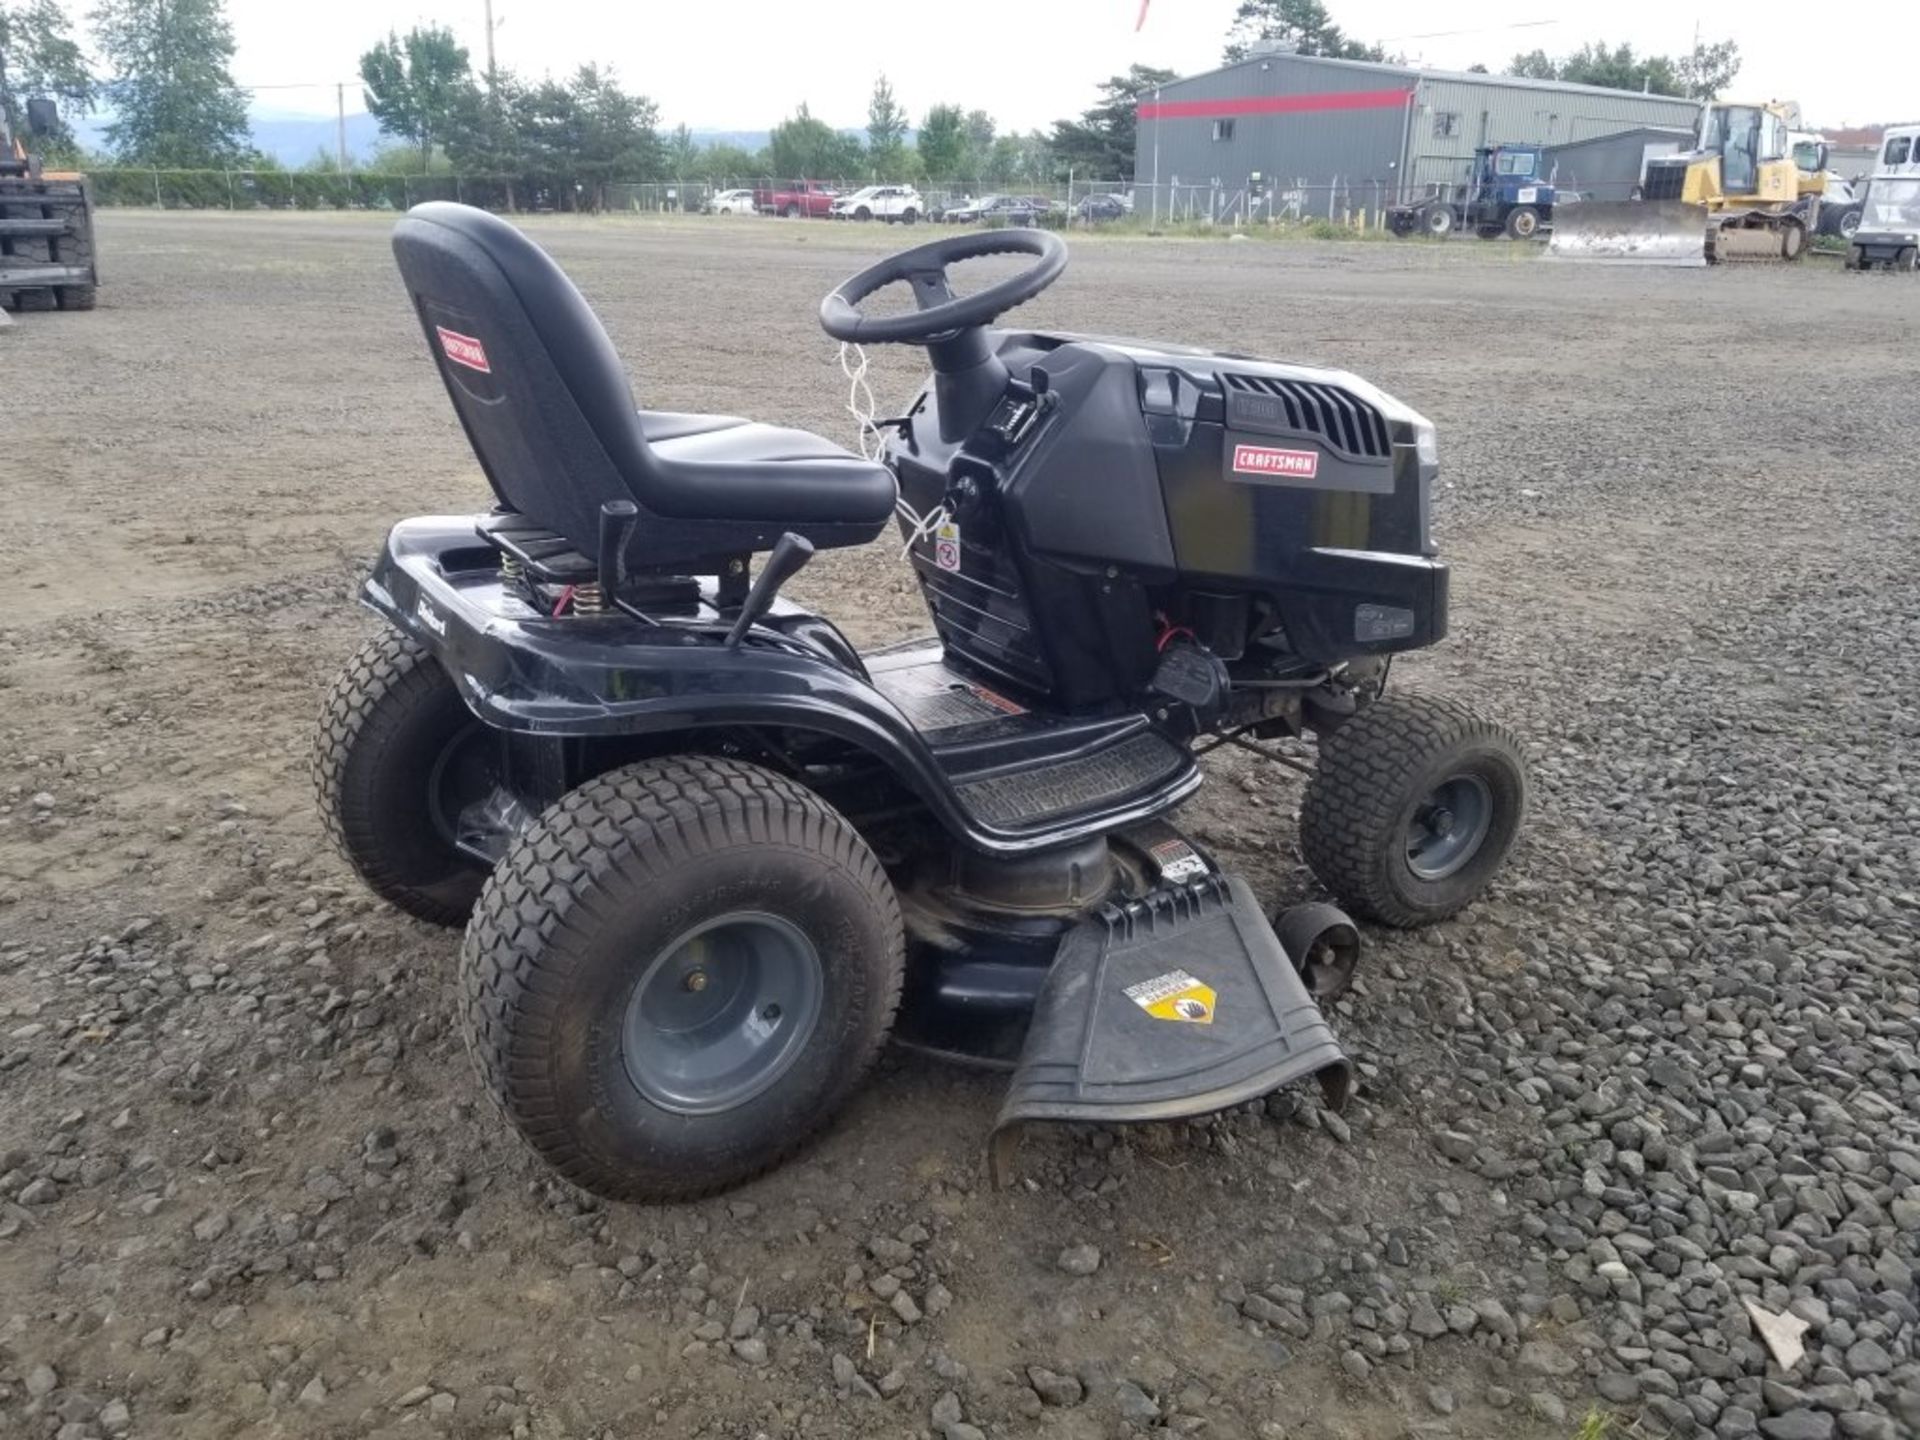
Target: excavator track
<point x="1755" y="239"/>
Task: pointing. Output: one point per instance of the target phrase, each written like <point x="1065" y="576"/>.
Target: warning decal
<point x="463" y="350"/>
<point x="1175" y="995"/>
<point x="1177" y="860"/>
<point x="1271" y="460"/>
<point x="946" y="546"/>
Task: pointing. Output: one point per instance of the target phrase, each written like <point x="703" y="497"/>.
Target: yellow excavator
<point x="1738" y="195"/>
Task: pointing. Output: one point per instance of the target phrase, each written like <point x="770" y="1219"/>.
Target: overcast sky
<point x="744" y="64"/>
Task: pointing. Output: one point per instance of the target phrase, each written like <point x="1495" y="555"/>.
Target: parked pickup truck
<point x="795" y="197"/>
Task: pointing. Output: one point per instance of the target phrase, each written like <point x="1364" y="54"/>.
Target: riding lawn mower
<point x="710" y="857"/>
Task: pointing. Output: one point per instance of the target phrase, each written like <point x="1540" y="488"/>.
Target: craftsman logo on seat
<point x="463" y="350"/>
<point x="1269" y="460"/>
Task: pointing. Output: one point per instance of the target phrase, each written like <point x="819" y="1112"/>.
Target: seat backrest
<point x="533" y="376"/>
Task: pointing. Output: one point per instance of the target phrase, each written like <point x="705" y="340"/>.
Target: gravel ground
<point x="1668" y="1071"/>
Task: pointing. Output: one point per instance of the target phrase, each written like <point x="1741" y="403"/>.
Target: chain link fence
<point x="1348" y="203"/>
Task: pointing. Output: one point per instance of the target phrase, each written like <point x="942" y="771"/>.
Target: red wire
<point x="1166" y="636"/>
<point x="560" y="605"/>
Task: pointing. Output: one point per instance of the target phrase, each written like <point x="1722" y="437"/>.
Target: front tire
<point x="1523" y="223"/>
<point x="1412" y="809"/>
<point x="1438" y="221"/>
<point x="679" y="974"/>
<point x="396" y="752"/>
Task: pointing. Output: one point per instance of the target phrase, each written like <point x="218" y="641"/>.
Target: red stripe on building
<point x="1275" y="104"/>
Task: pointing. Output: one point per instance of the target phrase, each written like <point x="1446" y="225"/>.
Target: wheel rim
<point x="722" y="1013"/>
<point x="462" y="776"/>
<point x="1448" y="828"/>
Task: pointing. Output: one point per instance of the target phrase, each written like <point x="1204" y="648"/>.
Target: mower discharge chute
<point x="710" y="857"/>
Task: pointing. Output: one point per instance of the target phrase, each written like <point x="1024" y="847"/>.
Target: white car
<point x="731" y="202"/>
<point x="881" y="202"/>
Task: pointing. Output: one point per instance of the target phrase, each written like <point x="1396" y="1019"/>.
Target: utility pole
<point x="491" y="83"/>
<point x="340" y="110"/>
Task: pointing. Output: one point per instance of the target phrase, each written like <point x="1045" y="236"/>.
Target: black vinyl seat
<point x="549" y="411"/>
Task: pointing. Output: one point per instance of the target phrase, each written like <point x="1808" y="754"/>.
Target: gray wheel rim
<point x="1449" y="826"/>
<point x="722" y="1013"/>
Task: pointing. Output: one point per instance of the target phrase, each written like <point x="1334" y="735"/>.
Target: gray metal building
<point x="1297" y="120"/>
<point x="1610" y="166"/>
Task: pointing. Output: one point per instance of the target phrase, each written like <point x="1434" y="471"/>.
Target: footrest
<point x="1087" y="781"/>
<point x="1175" y="1006"/>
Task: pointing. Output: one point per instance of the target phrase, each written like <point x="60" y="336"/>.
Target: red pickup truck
<point x="795" y="197"/>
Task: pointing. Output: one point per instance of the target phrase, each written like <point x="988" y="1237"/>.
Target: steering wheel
<point x="942" y="313"/>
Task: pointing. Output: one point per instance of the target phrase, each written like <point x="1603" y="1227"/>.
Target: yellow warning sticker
<point x="1175" y="995"/>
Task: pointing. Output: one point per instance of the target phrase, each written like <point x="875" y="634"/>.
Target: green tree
<point x="978" y="132"/>
<point x="174" y="100"/>
<point x="803" y="148"/>
<point x="1709" y="69"/>
<point x="1101" y="142"/>
<point x="1020" y="160"/>
<point x="728" y="162"/>
<point x="593" y="132"/>
<point x="942" y="142"/>
<point x="1701" y="74"/>
<point x="484" y="135"/>
<point x="414" y="86"/>
<point x="1301" y="24"/>
<point x="682" y="153"/>
<point x="886" y="132"/>
<point x="39" y="58"/>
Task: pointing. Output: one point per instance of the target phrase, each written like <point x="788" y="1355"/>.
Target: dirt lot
<point x="249" y="1185"/>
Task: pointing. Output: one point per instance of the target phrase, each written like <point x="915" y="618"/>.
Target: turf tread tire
<point x="639" y="824"/>
<point x="388" y="679"/>
<point x="1351" y="819"/>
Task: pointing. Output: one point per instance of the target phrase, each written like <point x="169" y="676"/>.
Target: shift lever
<point x="791" y="552"/>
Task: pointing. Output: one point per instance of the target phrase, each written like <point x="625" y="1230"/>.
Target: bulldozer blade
<point x="1630" y="232"/>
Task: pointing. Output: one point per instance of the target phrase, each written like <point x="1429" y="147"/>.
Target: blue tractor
<point x="1505" y="196"/>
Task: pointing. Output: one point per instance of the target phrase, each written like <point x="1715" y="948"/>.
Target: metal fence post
<point x="156" y="191"/>
<point x="229" y="175"/>
<point x="406" y="190"/>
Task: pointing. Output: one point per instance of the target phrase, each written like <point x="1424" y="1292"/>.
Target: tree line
<point x="163" y="74"/>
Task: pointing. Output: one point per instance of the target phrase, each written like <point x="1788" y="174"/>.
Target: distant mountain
<point x="293" y="138"/>
<point x="289" y="137"/>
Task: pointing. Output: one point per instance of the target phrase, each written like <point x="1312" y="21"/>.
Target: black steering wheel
<point x="942" y="313"/>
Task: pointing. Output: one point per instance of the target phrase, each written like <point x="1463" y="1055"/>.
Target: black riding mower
<point x="710" y="857"/>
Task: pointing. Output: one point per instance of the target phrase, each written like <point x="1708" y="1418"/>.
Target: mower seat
<point x="550" y="414"/>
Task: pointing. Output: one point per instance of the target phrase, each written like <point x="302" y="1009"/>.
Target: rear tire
<point x="908" y="216"/>
<point x="579" y="967"/>
<point x="390" y="723"/>
<point x="1523" y="223"/>
<point x="1412" y="809"/>
<point x="792" y="212"/>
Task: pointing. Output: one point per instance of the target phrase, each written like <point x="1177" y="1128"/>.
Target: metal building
<point x="1377" y="130"/>
<point x="1609" y="167"/>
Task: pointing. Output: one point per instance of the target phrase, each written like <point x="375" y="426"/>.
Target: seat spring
<point x="589" y="600"/>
